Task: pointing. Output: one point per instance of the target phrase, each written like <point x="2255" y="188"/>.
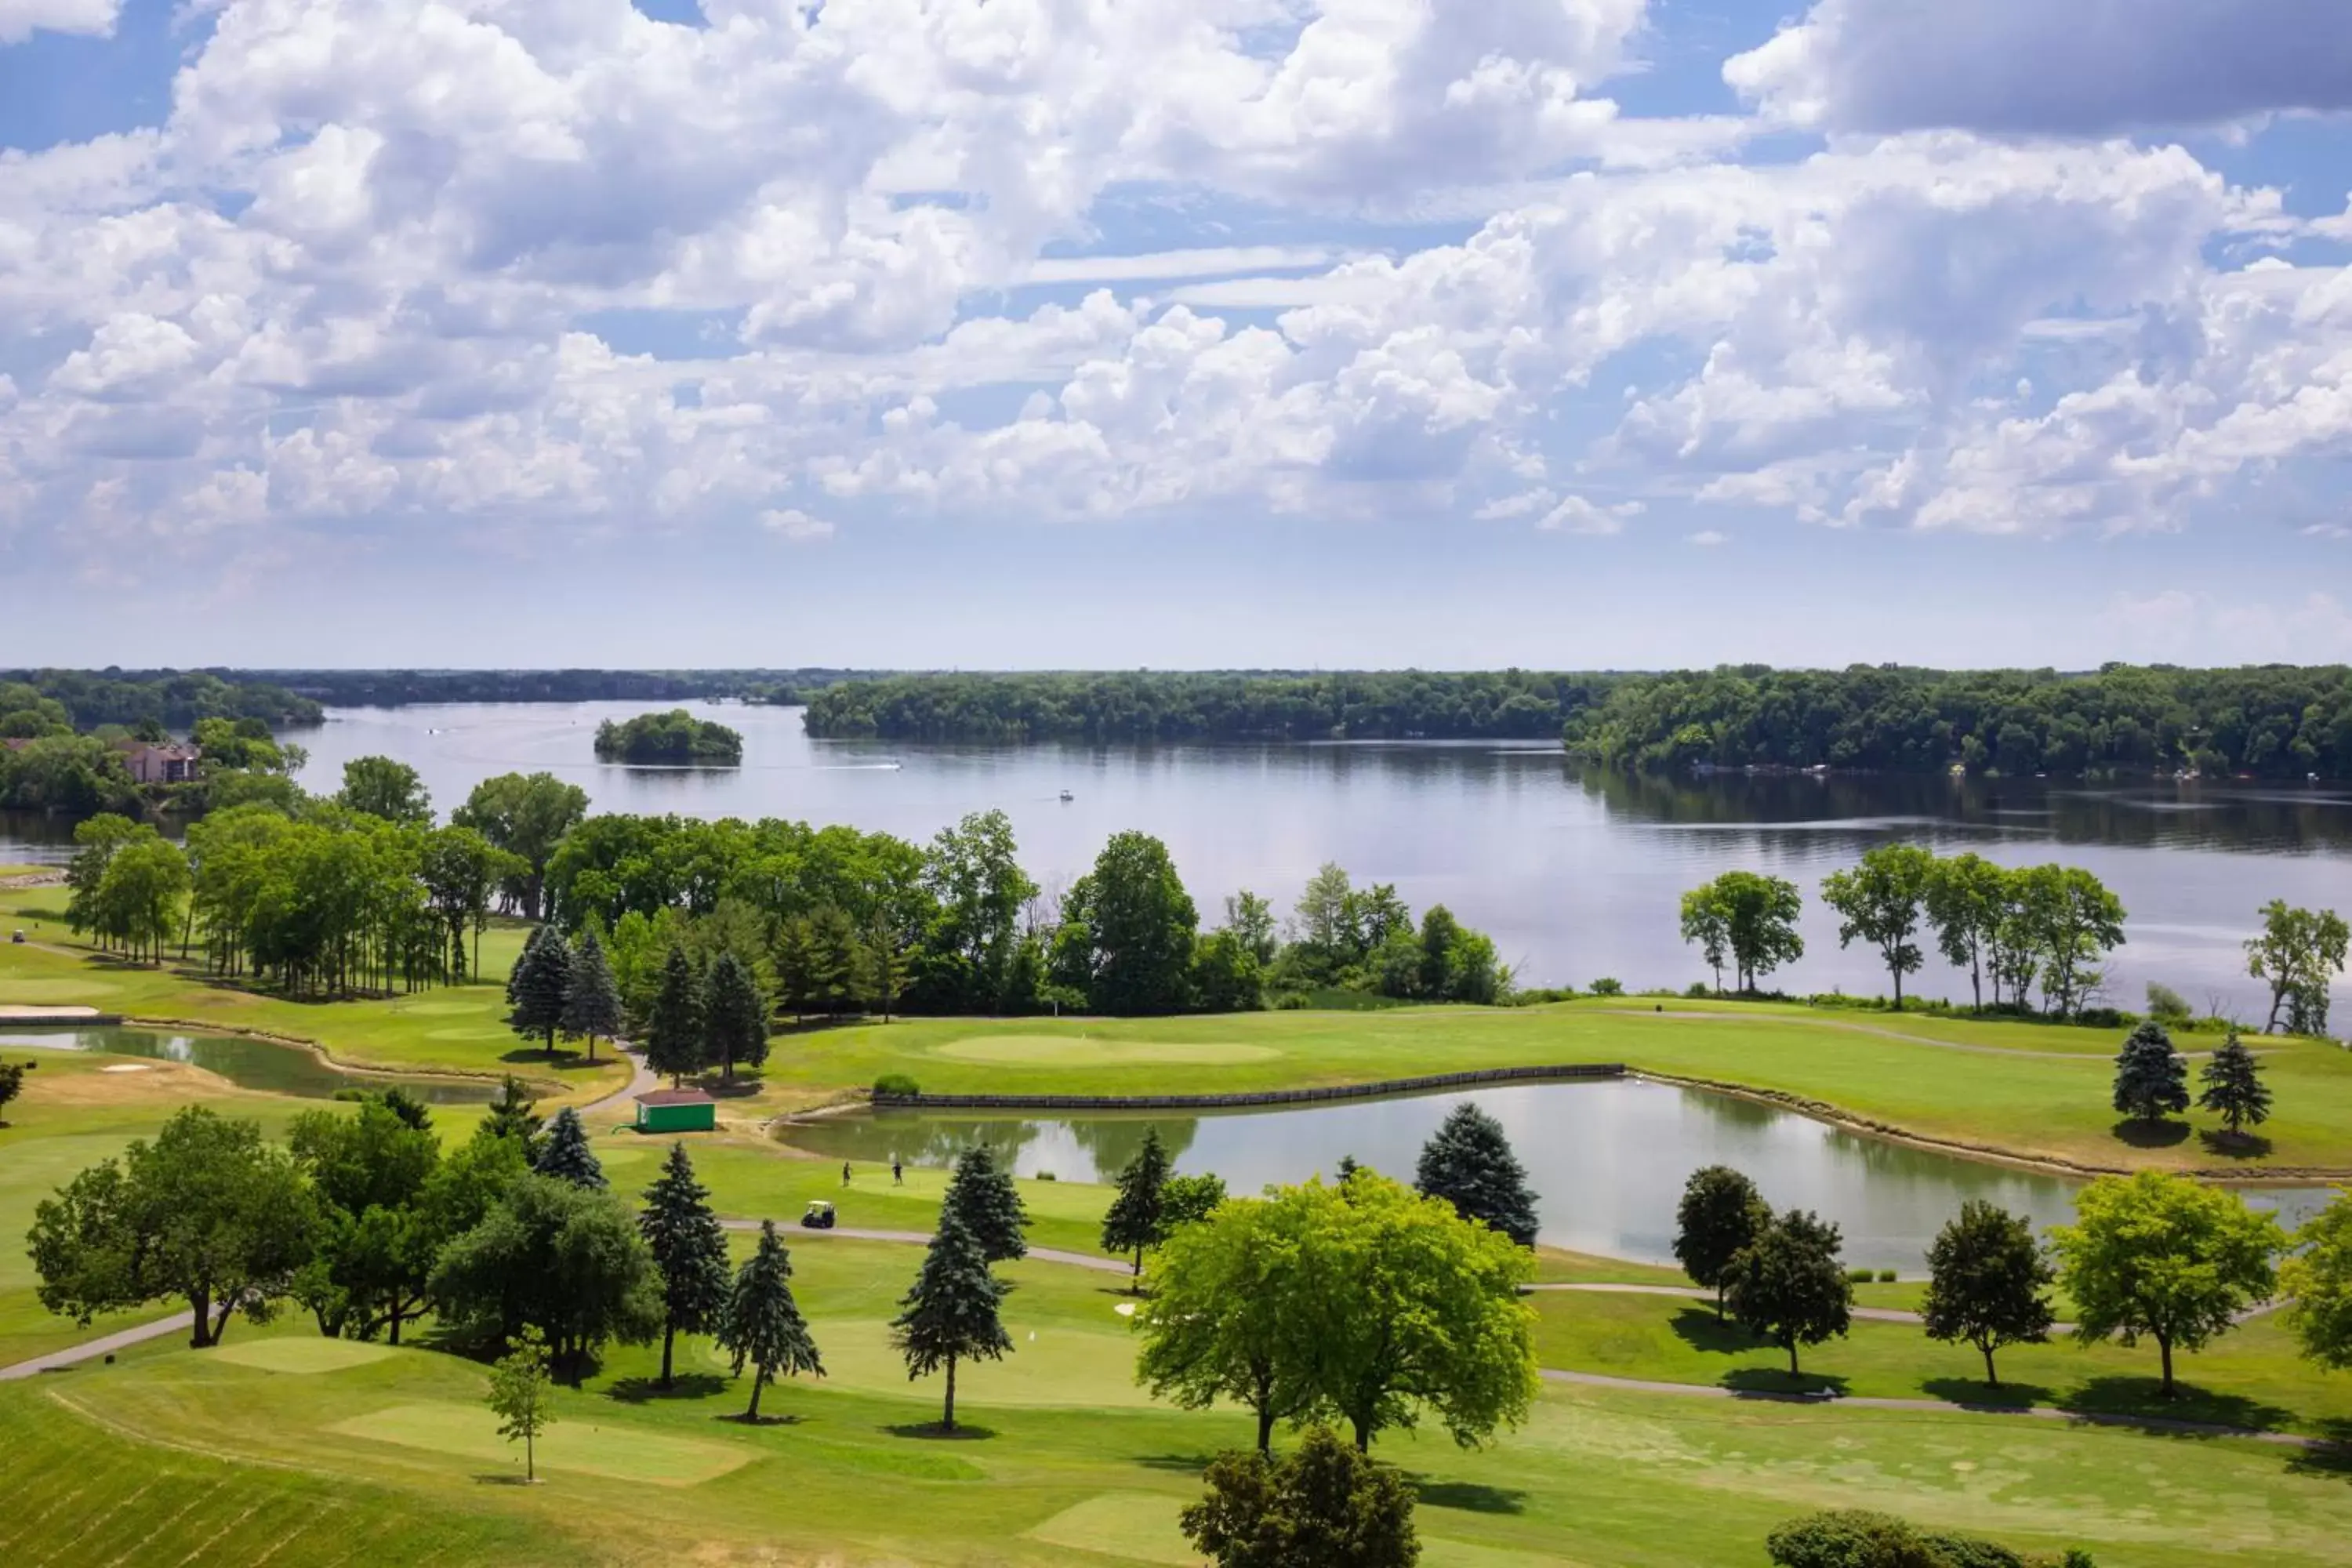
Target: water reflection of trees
<point x="924" y="1138"/>
<point x="2149" y="814"/>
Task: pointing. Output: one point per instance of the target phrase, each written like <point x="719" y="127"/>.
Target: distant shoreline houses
<point x="147" y="761"/>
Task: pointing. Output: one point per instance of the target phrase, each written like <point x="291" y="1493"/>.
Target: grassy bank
<point x="1066" y="1463"/>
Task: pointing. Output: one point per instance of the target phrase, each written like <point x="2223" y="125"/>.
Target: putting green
<point x="469" y="1032"/>
<point x="30" y="989"/>
<point x="1138" y="1526"/>
<point x="1063" y="1050"/>
<point x="302" y="1355"/>
<point x="1060" y="1366"/>
<point x="623" y="1452"/>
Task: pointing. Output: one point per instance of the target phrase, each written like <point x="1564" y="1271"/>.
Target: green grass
<point x="2250" y="1378"/>
<point x="852" y="1470"/>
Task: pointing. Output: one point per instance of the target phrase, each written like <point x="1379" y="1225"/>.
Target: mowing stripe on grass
<point x="624" y="1453"/>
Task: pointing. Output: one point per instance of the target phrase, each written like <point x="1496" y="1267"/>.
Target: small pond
<point x="1606" y="1160"/>
<point x="264" y="1064"/>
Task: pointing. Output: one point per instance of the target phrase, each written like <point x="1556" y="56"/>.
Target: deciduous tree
<point x="382" y="787"/>
<point x="12" y="1083"/>
<point x="2298" y="955"/>
<point x="1965" y="902"/>
<point x="522" y="1396"/>
<point x="565" y="1259"/>
<point x="1325" y="1505"/>
<point x="1216" y="1326"/>
<point x="1988" y="1283"/>
<point x="1787" y="1285"/>
<point x="206" y="1213"/>
<point x="761" y="1325"/>
<point x="1468" y="1162"/>
<point x="1128" y="929"/>
<point x="1720" y="1212"/>
<point x="951" y="1312"/>
<point x="2165" y="1257"/>
<point x="2317" y="1283"/>
<point x="1188" y="1200"/>
<point x="1879" y="902"/>
<point x="1759" y="921"/>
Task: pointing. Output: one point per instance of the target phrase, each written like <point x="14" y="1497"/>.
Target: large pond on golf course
<point x="1607" y="1160"/>
<point x="270" y="1066"/>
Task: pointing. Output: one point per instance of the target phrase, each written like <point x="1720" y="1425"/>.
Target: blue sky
<point x="1178" y="332"/>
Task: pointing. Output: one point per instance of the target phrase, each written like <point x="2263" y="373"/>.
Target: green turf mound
<point x="302" y="1355"/>
<point x="1060" y="1366"/>
<point x="1065" y="1050"/>
<point x="624" y="1453"/>
<point x="1138" y="1526"/>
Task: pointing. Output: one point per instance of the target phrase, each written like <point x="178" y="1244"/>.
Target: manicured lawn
<point x="2250" y="1378"/>
<point x="1064" y="1463"/>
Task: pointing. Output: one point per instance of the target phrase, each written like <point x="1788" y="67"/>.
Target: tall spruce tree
<point x="761" y="1325"/>
<point x="1138" y="1215"/>
<point x="1468" y="1163"/>
<point x="511" y="1115"/>
<point x="674" y="1033"/>
<point x="734" y="1017"/>
<point x="984" y="1198"/>
<point x="2234" y="1086"/>
<point x="1988" y="1283"/>
<point x="592" y="998"/>
<point x="1720" y="1212"/>
<point x="564" y="1153"/>
<point x="2150" y="1076"/>
<point x="536" y="989"/>
<point x="951" y="1312"/>
<point x="689" y="1248"/>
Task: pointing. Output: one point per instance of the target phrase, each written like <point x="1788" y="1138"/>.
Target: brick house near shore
<point x="161" y="762"/>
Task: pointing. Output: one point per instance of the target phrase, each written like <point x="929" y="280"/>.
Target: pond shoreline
<point x="1244" y="1099"/>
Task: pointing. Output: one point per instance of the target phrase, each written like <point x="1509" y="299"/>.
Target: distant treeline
<point x="174" y="699"/>
<point x="2273" y="721"/>
<point x="401" y="687"/>
<point x="1239" y="705"/>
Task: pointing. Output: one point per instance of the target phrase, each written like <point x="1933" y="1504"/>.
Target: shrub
<point x="1973" y="1551"/>
<point x="1852" y="1537"/>
<point x="895" y="1086"/>
<point x="1887" y="1276"/>
<point x="1047" y="1176"/>
<point x="2168" y="1006"/>
<point x="1860" y="1276"/>
<point x="1605" y="987"/>
<point x="1697" y="989"/>
<point x="2103" y="1018"/>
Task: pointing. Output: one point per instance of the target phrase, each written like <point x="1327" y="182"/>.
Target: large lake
<point x="1607" y="1161"/>
<point x="1577" y="872"/>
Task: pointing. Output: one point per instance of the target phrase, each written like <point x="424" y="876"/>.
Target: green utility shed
<point x="676" y="1111"/>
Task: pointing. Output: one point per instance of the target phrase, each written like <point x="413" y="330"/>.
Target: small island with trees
<point x="676" y="739"/>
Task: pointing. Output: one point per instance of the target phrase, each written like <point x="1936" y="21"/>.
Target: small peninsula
<point x="677" y="738"/>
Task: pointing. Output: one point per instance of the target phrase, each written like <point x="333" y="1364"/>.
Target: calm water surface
<point x="1607" y="1160"/>
<point x="250" y="1064"/>
<point x="1577" y="872"/>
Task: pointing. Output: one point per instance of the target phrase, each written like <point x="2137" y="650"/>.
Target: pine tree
<point x="794" y="958"/>
<point x="536" y="989"/>
<point x="1469" y="1163"/>
<point x="564" y="1153"/>
<point x="2234" y="1086"/>
<point x="689" y="1247"/>
<point x="1137" y="1218"/>
<point x="510" y="1114"/>
<point x="674" y="1030"/>
<point x="592" y="999"/>
<point x="984" y="1198"/>
<point x="762" y="1324"/>
<point x="734" y="1017"/>
<point x="2150" y="1076"/>
<point x="884" y="968"/>
<point x="950" y="1314"/>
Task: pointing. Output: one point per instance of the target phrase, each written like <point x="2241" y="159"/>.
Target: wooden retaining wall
<point x="1247" y="1098"/>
